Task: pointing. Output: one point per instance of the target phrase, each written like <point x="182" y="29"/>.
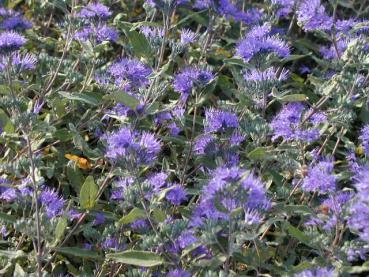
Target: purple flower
<point x="311" y="16"/>
<point x="15" y="23"/>
<point x="174" y="130"/>
<point x="139" y="225"/>
<point x="52" y="202"/>
<point x="157" y="181"/>
<point x="186" y="238"/>
<point x="205" y="145"/>
<point x="20" y="192"/>
<point x="130" y="146"/>
<point x="112" y="243"/>
<point x="3" y="231"/>
<point x="187" y="36"/>
<point x="87" y="246"/>
<point x="11" y="41"/>
<point x="335" y="205"/>
<point x="320" y="178"/>
<point x="252" y="217"/>
<point x="176" y="195"/>
<point x="318" y="272"/>
<point x="219" y="121"/>
<point x="229" y="189"/>
<point x="359" y="210"/>
<point x="364" y="137"/>
<point x="99" y="219"/>
<point x="120" y="187"/>
<point x="203" y="4"/>
<point x="95" y="10"/>
<point x="130" y="71"/>
<point x="304" y="69"/>
<point x="266" y="77"/>
<point x="287" y="124"/>
<point x="18" y="62"/>
<point x="236" y="138"/>
<point x="189" y="78"/>
<point x="153" y="34"/>
<point x="330" y="52"/>
<point x="178" y="273"/>
<point x="284" y="7"/>
<point x="97" y="34"/>
<point x="258" y="41"/>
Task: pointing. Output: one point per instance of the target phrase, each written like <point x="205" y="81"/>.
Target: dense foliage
<point x="184" y="138"/>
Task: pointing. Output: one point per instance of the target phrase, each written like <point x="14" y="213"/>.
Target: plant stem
<point x="35" y="196"/>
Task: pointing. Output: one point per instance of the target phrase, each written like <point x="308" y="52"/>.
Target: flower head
<point x="130" y="71"/>
<point x="11" y="41"/>
<point x="205" y="145"/>
<point x="18" y="62"/>
<point x="132" y="147"/>
<point x="12" y="20"/>
<point x="187" y="36"/>
<point x="287" y="124"/>
<point x="259" y="41"/>
<point x="176" y="195"/>
<point x="284" y="7"/>
<point x="311" y="16"/>
<point x="219" y="121"/>
<point x="178" y="273"/>
<point x="52" y="202"/>
<point x="95" y="11"/>
<point x="320" y="178"/>
<point x="364" y="137"/>
<point x="189" y="78"/>
<point x="227" y="190"/>
<point x="98" y="33"/>
<point x="318" y="272"/>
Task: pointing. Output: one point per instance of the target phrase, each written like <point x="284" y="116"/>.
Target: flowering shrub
<point x="184" y="138"/>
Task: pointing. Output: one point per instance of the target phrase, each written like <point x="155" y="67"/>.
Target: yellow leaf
<point x="80" y="161"/>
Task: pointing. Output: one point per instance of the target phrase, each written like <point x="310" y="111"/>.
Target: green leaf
<point x="134" y="214"/>
<point x="5" y="122"/>
<point x="125" y="99"/>
<point x="294" y="98"/>
<point x="297" y="234"/>
<point x="293" y="209"/>
<point x="140" y="45"/>
<point x="79" y="252"/>
<point x="75" y="177"/>
<point x="159" y="215"/>
<point x="8" y="254"/>
<point x="257" y="154"/>
<point x="60" y="228"/>
<point x="7" y="218"/>
<point x="88" y="193"/>
<point x="137" y="258"/>
<point x="80" y="97"/>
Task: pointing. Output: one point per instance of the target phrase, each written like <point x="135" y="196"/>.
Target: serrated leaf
<point x="79" y="252"/>
<point x="133" y="215"/>
<point x="137" y="258"/>
<point x="88" y="193"/>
